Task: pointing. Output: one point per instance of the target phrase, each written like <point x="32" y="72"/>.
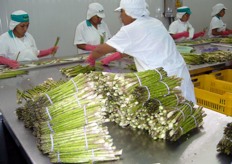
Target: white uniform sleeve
<point x="190" y="30"/>
<point x="79" y="35"/>
<point x="173" y="28"/>
<point x="216" y="23"/>
<point x="120" y="41"/>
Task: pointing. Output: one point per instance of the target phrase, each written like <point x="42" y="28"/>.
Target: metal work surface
<point x="49" y="62"/>
<point x="199" y="147"/>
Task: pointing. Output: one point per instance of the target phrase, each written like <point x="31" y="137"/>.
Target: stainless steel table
<point x="138" y="148"/>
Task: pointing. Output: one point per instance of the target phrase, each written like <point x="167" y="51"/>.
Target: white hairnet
<point x="181" y="11"/>
<point x="95" y="9"/>
<point x="14" y="23"/>
<point x="134" y="8"/>
<point x="217" y="8"/>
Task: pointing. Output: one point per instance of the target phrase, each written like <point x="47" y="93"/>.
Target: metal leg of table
<point x="3" y="150"/>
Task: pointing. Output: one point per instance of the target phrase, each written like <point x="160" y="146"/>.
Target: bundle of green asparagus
<point x="226" y="40"/>
<point x="78" y="86"/>
<point x="160" y="88"/>
<point x="182" y="120"/>
<point x="217" y="56"/>
<point x="225" y="144"/>
<point x="72" y="71"/>
<point x="168" y="122"/>
<point x="192" y="58"/>
<point x="201" y="41"/>
<point x="57" y="119"/>
<point x="11" y="73"/>
<point x="37" y="90"/>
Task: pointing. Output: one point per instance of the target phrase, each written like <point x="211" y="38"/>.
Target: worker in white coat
<point x="151" y="47"/>
<point x="18" y="44"/>
<point x="181" y="29"/>
<point x="94" y="31"/>
<point x="217" y="26"/>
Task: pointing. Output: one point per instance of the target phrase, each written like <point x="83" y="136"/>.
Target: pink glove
<point x="199" y="34"/>
<point x="90" y="60"/>
<point x="180" y="35"/>
<point x="11" y="63"/>
<point x="110" y="58"/>
<point x="89" y="47"/>
<point x="47" y="52"/>
<point x="225" y="33"/>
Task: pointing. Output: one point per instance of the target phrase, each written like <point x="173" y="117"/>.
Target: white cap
<point x="217" y="8"/>
<point x="95" y="9"/>
<point x="14" y="23"/>
<point x="134" y="8"/>
<point x="181" y="11"/>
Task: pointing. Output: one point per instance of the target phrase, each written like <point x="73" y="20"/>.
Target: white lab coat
<point x="148" y="41"/>
<point x="88" y="34"/>
<point x="10" y="47"/>
<point x="178" y="26"/>
<point x="216" y="23"/>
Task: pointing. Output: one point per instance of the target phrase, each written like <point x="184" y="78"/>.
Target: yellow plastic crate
<point x="210" y="83"/>
<point x="214" y="101"/>
<point x="212" y="94"/>
<point x="225" y="75"/>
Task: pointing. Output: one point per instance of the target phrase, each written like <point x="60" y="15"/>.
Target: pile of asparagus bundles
<point x="217" y="56"/>
<point x="225" y="144"/>
<point x="149" y="101"/>
<point x="207" y="57"/>
<point x="68" y="119"/>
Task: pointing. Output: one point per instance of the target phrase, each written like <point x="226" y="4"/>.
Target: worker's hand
<point x="11" y="63"/>
<point x="52" y="50"/>
<point x="89" y="47"/>
<point x="199" y="34"/>
<point x="112" y="57"/>
<point x="224" y="33"/>
<point x="184" y="34"/>
<point x="90" y="60"/>
<point x="180" y="35"/>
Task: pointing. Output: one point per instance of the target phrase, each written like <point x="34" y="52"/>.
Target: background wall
<point x="52" y="18"/>
<point x="201" y="12"/>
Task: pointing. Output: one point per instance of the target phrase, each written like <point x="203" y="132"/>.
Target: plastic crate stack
<point x="214" y="91"/>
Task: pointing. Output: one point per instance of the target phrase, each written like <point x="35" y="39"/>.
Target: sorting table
<point x="199" y="147"/>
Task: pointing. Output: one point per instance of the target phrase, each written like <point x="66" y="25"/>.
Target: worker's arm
<point x="98" y="52"/>
<point x="216" y="33"/>
<point x="87" y="47"/>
